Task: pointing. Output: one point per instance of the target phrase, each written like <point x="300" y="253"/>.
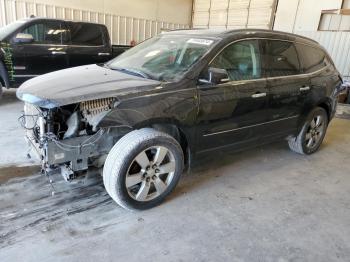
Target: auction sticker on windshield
<point x="200" y="41"/>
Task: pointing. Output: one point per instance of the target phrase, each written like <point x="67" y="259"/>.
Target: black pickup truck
<point x="36" y="46"/>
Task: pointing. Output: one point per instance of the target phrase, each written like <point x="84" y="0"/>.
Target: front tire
<point x="142" y="168"/>
<point x="312" y="133"/>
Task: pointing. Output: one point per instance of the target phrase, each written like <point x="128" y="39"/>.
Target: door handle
<point x="58" y="53"/>
<point x="304" y="88"/>
<point x="104" y="54"/>
<point x="258" y="95"/>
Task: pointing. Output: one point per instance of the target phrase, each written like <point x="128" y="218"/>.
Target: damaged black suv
<point x="144" y="115"/>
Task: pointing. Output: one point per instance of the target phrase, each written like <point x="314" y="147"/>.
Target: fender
<point x="168" y="108"/>
<point x="128" y="120"/>
<point x="132" y="119"/>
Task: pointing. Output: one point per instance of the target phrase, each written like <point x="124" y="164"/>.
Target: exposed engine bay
<point x="67" y="139"/>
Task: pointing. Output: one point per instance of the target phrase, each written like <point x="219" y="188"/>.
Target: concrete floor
<point x="266" y="204"/>
<point x="11" y="135"/>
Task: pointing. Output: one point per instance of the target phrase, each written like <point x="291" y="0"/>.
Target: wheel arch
<point x="136" y="119"/>
<point x="169" y="128"/>
<point x="325" y="103"/>
<point x="179" y="134"/>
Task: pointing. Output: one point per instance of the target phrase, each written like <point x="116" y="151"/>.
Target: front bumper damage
<point x="67" y="156"/>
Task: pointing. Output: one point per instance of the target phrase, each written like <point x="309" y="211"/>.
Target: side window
<point x="312" y="59"/>
<point x="86" y="34"/>
<point x="241" y="60"/>
<point x="282" y="58"/>
<point x="37" y="31"/>
<point x="46" y="33"/>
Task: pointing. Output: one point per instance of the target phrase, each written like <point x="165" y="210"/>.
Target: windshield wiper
<point x="131" y="71"/>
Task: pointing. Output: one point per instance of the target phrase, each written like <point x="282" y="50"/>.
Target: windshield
<point x="10" y="28"/>
<point x="163" y="57"/>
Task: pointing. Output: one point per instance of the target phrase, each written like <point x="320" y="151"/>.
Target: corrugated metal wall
<point x="122" y="29"/>
<point x="233" y="13"/>
<point x="337" y="45"/>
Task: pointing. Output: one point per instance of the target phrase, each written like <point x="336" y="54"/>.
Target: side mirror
<point x="215" y="76"/>
<point x="23" y="38"/>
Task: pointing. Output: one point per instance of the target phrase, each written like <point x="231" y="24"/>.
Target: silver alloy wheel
<point x="150" y="173"/>
<point x="315" y="131"/>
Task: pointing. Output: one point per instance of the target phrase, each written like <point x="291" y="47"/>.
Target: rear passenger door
<point x="312" y="61"/>
<point x="87" y="44"/>
<point x="286" y="83"/>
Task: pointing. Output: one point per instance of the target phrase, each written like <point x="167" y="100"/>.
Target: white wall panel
<point x="345" y="23"/>
<point x="338" y="46"/>
<point x="218" y="18"/>
<point x="260" y="3"/>
<point x="233" y="13"/>
<point x="302" y="15"/>
<point x="219" y="5"/>
<point x="346" y="4"/>
<point x="201" y="13"/>
<point x="123" y="29"/>
<point x="201" y="5"/>
<point x="172" y="11"/>
<point x="237" y="17"/>
<point x="260" y="17"/>
<point x="200" y="19"/>
<point x="239" y="4"/>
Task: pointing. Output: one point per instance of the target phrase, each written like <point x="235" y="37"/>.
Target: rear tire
<point x="142" y="168"/>
<point x="312" y="133"/>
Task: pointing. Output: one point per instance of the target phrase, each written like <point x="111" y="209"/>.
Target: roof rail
<point x="271" y="31"/>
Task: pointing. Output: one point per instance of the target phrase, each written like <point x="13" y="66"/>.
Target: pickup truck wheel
<point x="312" y="133"/>
<point x="142" y="168"/>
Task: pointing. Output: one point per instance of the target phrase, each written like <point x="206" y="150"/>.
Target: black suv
<point x="147" y="113"/>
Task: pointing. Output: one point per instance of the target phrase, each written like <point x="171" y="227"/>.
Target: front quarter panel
<point x="175" y="104"/>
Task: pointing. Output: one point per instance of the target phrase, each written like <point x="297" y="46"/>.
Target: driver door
<point x="45" y="53"/>
<point x="232" y="111"/>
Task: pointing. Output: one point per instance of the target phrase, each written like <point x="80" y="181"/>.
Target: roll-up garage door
<point x="233" y="14"/>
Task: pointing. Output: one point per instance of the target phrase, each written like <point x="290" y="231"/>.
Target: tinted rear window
<point x="282" y="58"/>
<point x="86" y="34"/>
<point x="312" y="59"/>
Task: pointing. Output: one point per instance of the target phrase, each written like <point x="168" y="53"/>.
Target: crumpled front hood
<point x="79" y="84"/>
